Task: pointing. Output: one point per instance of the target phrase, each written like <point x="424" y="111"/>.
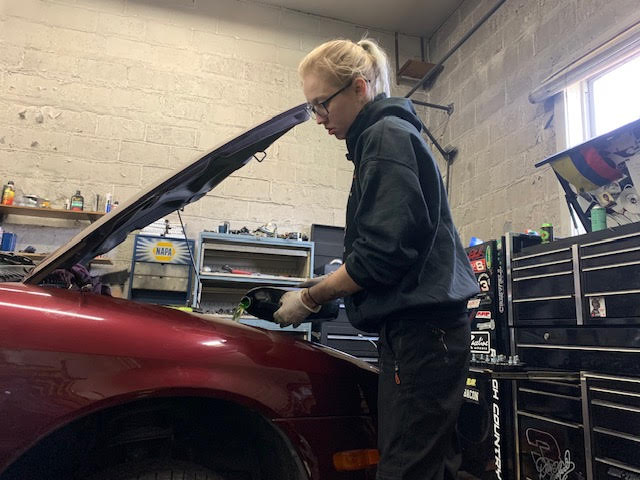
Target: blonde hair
<point x="341" y="60"/>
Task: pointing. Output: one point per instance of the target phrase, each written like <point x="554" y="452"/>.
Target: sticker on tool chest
<point x="473" y="303"/>
<point x="472" y="394"/>
<point x="484" y="282"/>
<point x="480" y="342"/>
<point x="597" y="307"/>
<point x="479" y="266"/>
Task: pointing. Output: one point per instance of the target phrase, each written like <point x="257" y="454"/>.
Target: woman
<point x="405" y="273"/>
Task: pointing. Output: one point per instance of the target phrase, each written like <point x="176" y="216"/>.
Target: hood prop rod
<point x="194" y="301"/>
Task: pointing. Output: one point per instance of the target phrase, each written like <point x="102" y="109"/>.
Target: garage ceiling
<point x="416" y="17"/>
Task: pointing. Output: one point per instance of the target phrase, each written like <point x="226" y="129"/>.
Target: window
<point x="603" y="101"/>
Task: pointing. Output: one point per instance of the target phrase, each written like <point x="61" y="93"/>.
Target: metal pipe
<point x="438" y="66"/>
<point x="448" y="155"/>
<point x="447" y="108"/>
<point x="448" y="176"/>
<point x="397" y="60"/>
<point x="434" y="141"/>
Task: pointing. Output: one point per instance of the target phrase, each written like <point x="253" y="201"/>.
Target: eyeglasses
<point x="320" y="109"/>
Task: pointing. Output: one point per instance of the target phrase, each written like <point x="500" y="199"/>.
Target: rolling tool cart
<point x="161" y="270"/>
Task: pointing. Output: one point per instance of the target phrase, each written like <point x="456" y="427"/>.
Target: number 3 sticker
<point x="484" y="282"/>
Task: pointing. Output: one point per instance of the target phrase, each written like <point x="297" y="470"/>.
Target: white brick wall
<point x="107" y="95"/>
<point x="495" y="186"/>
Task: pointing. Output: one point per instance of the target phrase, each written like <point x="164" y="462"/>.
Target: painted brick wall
<point x="109" y="95"/>
<point x="500" y="135"/>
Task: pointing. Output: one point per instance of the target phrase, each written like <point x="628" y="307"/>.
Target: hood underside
<point x="169" y="194"/>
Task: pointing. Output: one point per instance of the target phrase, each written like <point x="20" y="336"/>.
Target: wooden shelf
<point x="49" y="213"/>
<point x="414" y="69"/>
<point x="38" y="257"/>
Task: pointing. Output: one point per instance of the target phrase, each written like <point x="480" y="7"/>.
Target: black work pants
<point x="423" y="371"/>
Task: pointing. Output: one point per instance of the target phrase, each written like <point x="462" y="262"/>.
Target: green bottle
<point x="77" y="202"/>
<point x="598" y="218"/>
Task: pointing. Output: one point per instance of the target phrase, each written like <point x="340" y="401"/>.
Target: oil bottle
<point x="77" y="202"/>
<point x="262" y="302"/>
<point x="8" y="193"/>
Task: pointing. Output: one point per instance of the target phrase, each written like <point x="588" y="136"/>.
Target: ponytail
<point x="342" y="60"/>
<point x="380" y="65"/>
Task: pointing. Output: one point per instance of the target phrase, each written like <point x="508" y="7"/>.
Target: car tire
<point x="157" y="470"/>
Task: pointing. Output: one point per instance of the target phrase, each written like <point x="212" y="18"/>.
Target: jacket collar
<point x="363" y="120"/>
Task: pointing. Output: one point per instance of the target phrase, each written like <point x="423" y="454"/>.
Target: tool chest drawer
<point x="620" y="308"/>
<point x="543" y="255"/>
<point x="614" y="409"/>
<point x="612" y="278"/>
<point x="161" y="270"/>
<point x="601" y="349"/>
<point x="158" y="276"/>
<point x="551" y="311"/>
<point x="623" y="246"/>
<point x="610" y="271"/>
<point x="550" y="430"/>
<point x="553" y="399"/>
<point x="543" y="286"/>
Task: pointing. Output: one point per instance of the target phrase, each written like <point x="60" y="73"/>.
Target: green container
<point x="598" y="218"/>
<point x="546" y="233"/>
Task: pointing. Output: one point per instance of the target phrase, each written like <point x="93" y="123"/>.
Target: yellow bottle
<point x="8" y="193"/>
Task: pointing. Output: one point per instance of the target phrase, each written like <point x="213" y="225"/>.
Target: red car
<point x="96" y="387"/>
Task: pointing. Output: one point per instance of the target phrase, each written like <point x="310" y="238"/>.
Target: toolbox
<point x="574" y="303"/>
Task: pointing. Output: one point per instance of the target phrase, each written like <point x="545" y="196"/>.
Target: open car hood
<point x="169" y="194"/>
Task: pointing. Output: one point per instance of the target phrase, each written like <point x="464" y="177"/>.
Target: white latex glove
<point x="310" y="282"/>
<point x="292" y="309"/>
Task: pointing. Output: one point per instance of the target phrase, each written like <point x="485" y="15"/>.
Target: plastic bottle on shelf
<point x="598" y="218"/>
<point x="8" y="193"/>
<point x="77" y="202"/>
<point x="107" y="203"/>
